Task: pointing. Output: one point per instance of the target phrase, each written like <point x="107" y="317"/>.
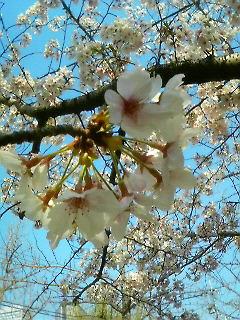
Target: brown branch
<point x="18" y="137"/>
<point x="202" y="71"/>
<point x="86" y="102"/>
<point x="98" y="276"/>
<point x="37" y="143"/>
<point x="9" y="208"/>
<point x="205" y="70"/>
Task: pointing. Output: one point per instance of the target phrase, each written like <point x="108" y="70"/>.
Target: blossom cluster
<point x="48" y="88"/>
<point x="152" y="141"/>
<point x="123" y="35"/>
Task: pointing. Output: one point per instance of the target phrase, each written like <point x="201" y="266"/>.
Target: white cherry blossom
<point x="134" y="107"/>
<point x="90" y="211"/>
<point x="31" y="204"/>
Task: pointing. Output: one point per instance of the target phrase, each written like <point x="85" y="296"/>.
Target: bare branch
<point x="21" y="136"/>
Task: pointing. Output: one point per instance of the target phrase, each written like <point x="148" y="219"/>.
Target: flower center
<point x="78" y="203"/>
<point x="131" y="108"/>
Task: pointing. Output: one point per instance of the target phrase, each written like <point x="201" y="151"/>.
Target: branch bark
<point x="37" y="134"/>
<point x="202" y="71"/>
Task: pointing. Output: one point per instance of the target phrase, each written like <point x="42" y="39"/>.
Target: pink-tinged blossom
<point x="136" y="203"/>
<point x="131" y="107"/>
<point x="173" y="100"/>
<point x="137" y="182"/>
<point x="171" y="180"/>
<point x="134" y="107"/>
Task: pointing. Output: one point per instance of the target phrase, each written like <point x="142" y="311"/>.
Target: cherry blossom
<point x="88" y="211"/>
<point x="131" y="107"/>
<point x="10" y="160"/>
<point x="134" y="107"/>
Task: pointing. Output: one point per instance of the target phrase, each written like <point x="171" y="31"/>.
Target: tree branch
<point x="205" y="70"/>
<point x="98" y="276"/>
<point x="86" y="102"/>
<point x="202" y="71"/>
<point x="37" y="143"/>
<point x="39" y="133"/>
<point x="76" y="20"/>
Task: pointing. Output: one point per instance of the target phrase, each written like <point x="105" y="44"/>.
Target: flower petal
<point x="156" y="84"/>
<point x="183" y="179"/>
<point x="174" y="101"/>
<point x="164" y="199"/>
<point x="112" y="98"/>
<point x="30" y="203"/>
<point x="175" y="157"/>
<point x="133" y="85"/>
<point x="40" y="177"/>
<point x="59" y="223"/>
<point x="11" y="161"/>
<point x="100" y="240"/>
<point x="119" y="225"/>
<point x="175" y="81"/>
<point x="176" y="125"/>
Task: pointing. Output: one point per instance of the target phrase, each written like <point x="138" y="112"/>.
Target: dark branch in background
<point x="205" y="70"/>
<point x="54" y="279"/>
<point x="9" y="208"/>
<point x="76" y="20"/>
<point x="21" y="136"/>
<point x="202" y="71"/>
<point x="98" y="276"/>
<point x="37" y="143"/>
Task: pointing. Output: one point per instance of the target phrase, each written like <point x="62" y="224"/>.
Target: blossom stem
<point x="68" y="164"/>
<point x="115" y="163"/>
<point x="104" y="180"/>
<point x="150" y="144"/>
<point x="68" y="175"/>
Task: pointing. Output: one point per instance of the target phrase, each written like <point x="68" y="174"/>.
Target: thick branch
<point x="37" y="143"/>
<point x="86" y="102"/>
<point x="202" y="71"/>
<point x="37" y="134"/>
